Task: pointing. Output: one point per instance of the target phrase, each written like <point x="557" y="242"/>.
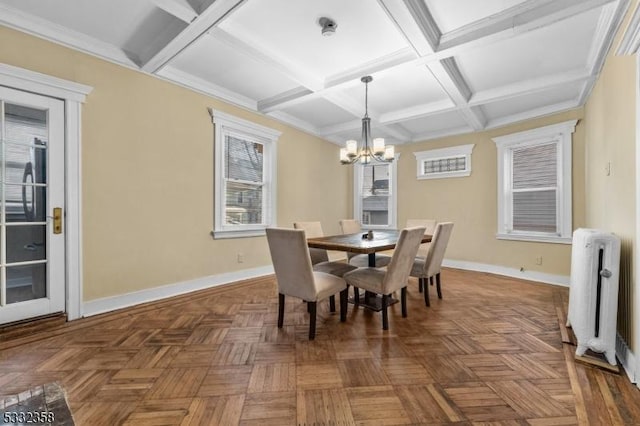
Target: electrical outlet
<point x="539" y="260"/>
<point x="240" y="257"/>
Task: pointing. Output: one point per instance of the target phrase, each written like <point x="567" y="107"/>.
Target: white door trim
<point x="74" y="94"/>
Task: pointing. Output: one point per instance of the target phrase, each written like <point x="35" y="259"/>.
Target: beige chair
<point x="396" y="275"/>
<point x="429" y="226"/>
<point x="351" y="226"/>
<point x="428" y="267"/>
<point x="319" y="257"/>
<point x="296" y="277"/>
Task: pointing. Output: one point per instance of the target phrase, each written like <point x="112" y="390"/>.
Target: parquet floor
<point x="490" y="352"/>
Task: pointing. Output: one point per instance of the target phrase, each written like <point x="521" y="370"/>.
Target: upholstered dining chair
<point x="427" y="267"/>
<point x="396" y="275"/>
<point x="296" y="277"/>
<point x="320" y="258"/>
<point x="429" y="227"/>
<point x="352" y="226"/>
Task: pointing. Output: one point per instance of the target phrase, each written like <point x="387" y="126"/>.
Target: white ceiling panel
<point x="320" y="112"/>
<point x="403" y="87"/>
<point x="435" y="123"/>
<point x="440" y="67"/>
<point x="451" y="15"/>
<point x="289" y="30"/>
<point x="559" y="48"/>
<point x="522" y="104"/>
<point x="102" y="20"/>
<point x="237" y="72"/>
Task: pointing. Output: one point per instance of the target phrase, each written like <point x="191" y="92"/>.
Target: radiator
<point x="593" y="295"/>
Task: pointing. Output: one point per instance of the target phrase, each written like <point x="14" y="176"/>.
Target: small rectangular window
<point x="444" y="163"/>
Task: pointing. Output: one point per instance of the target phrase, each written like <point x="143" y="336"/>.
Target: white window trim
<point x="228" y="124"/>
<point x="393" y="199"/>
<point x="74" y="95"/>
<point x="561" y="134"/>
<point x="438" y="154"/>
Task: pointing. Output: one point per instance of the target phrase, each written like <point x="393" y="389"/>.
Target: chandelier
<point x="367" y="151"/>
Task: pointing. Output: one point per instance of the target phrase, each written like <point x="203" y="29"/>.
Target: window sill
<point x="245" y="233"/>
<point x="534" y="238"/>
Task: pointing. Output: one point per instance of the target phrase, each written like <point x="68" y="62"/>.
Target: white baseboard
<point x="107" y="304"/>
<point x="561" y="280"/>
<point x="626" y="358"/>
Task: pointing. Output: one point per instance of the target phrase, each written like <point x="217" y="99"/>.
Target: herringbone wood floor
<point x="490" y="352"/>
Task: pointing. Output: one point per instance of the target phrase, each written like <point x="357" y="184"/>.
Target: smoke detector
<point x="328" y="26"/>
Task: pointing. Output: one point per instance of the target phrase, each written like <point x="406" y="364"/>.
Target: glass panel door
<point x="32" y="184"/>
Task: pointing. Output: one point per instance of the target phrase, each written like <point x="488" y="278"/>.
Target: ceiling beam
<point x="420" y="29"/>
<point x="339" y="81"/>
<point x="203" y="23"/>
<point x="608" y="25"/>
<point x="286" y="99"/>
<point x="527" y="87"/>
<point x="378" y="66"/>
<point x="181" y="9"/>
<point x="417" y="111"/>
<point x="524" y="17"/>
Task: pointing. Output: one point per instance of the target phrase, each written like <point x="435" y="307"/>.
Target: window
<point x="245" y="179"/>
<point x="534" y="184"/>
<point x="444" y="163"/>
<point x="375" y="194"/>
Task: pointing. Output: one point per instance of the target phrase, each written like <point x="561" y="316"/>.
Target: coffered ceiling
<point x="439" y="67"/>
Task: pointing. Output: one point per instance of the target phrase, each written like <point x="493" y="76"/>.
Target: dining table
<point x="366" y="242"/>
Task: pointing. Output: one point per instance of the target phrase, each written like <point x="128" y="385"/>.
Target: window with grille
<point x="375" y="195"/>
<point x="534" y="184"/>
<point x="244" y="177"/>
<point x="444" y="163"/>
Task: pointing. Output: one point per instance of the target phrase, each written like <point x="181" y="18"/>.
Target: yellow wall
<point x="471" y="202"/>
<point x="147" y="164"/>
<point x="610" y="117"/>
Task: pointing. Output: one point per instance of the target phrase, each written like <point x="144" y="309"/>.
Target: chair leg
<point x="280" y="309"/>
<point x="403" y="301"/>
<point x="356" y="296"/>
<point x="344" y="296"/>
<point x="308" y="308"/>
<point x="420" y="284"/>
<point x="438" y="285"/>
<point x="426" y="295"/>
<point x="431" y="280"/>
<point x="312" y="320"/>
<point x="332" y="303"/>
<point x="385" y="315"/>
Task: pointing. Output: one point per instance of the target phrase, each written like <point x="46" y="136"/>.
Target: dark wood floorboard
<point x="489" y="352"/>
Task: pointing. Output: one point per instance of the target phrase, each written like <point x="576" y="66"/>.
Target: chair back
<point x="350" y="226"/>
<point x="438" y="247"/>
<point x="399" y="268"/>
<point x="313" y="230"/>
<point x="291" y="262"/>
<point x="430" y="227"/>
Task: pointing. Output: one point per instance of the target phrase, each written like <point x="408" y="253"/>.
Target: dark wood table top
<point x="355" y="243"/>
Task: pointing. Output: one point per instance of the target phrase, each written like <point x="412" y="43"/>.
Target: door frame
<point x="73" y="94"/>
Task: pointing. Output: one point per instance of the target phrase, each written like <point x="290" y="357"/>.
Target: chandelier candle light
<point x="367" y="151"/>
